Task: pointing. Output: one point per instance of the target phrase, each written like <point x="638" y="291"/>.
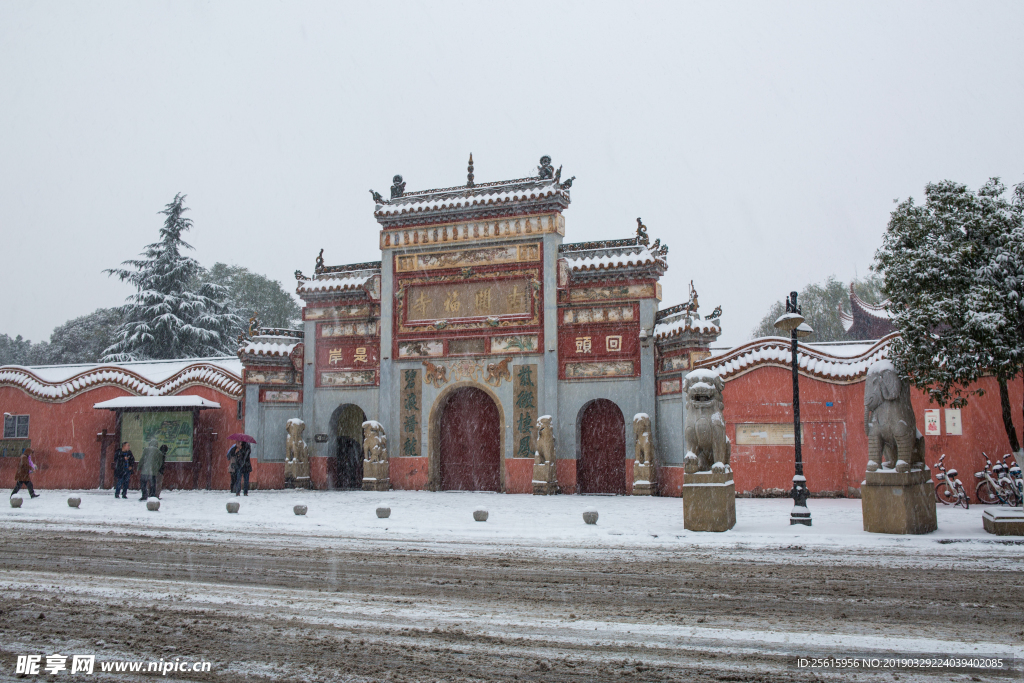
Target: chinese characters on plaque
<point x="411" y="382"/>
<point x="468" y="299"/>
<point x="524" y="401"/>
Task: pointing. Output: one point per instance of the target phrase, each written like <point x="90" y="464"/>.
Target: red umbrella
<point x="242" y="437"/>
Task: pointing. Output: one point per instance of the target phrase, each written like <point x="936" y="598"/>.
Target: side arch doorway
<point x="345" y="468"/>
<point x="601" y="467"/>
<point x="469" y="441"/>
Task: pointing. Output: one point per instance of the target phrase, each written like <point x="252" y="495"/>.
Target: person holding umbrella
<point x="239" y="462"/>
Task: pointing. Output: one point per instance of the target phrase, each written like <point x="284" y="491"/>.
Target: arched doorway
<point x="601" y="467"/>
<point x="345" y="469"/>
<point x="469" y="442"/>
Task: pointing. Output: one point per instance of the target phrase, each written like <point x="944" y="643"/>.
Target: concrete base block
<point x="1004" y="521"/>
<point x="376" y="476"/>
<point x="545" y="482"/>
<point x="709" y="501"/>
<point x="898" y="502"/>
<point x="643" y="480"/>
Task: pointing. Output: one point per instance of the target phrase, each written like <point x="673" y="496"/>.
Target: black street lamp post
<point x="792" y="321"/>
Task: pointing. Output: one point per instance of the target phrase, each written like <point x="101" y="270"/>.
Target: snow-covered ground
<point x="546" y="524"/>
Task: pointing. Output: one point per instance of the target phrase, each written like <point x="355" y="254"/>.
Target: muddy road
<point x="265" y="608"/>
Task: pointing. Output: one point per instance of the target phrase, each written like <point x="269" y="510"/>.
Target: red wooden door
<point x="602" y="464"/>
<point x="470" y="444"/>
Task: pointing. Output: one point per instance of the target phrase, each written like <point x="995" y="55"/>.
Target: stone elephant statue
<point x="889" y="421"/>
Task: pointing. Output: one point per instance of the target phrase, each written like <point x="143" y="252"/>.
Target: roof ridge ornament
<point x="469" y="171"/>
<point x="546" y="170"/>
<point x="641" y="233"/>
<point x="376" y="197"/>
<point x="319" y="268"/>
<point x="398" y="188"/>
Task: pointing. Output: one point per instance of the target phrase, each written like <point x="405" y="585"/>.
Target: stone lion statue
<point x="889" y="422"/>
<point x="642" y="437"/>
<point x="375" y="442"/>
<point x="545" y="452"/>
<point x="708" y="447"/>
<point x="296" y="460"/>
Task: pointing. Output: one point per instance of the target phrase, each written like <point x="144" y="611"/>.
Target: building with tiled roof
<point x="866" y="321"/>
<point x="479" y="319"/>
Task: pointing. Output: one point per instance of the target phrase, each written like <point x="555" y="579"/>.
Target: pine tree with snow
<point x="173" y="314"/>
<point x="954" y="272"/>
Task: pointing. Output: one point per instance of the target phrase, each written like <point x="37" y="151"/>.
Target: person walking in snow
<point x="160" y="470"/>
<point x="244" y="467"/>
<point x="25" y="469"/>
<point x="150" y="463"/>
<point x="124" y="465"/>
<point x="233" y="468"/>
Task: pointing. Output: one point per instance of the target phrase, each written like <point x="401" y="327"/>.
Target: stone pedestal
<point x="376" y="476"/>
<point x="545" y="482"/>
<point x="1004" y="521"/>
<point x="643" y="479"/>
<point x="898" y="502"/>
<point x="709" y="501"/>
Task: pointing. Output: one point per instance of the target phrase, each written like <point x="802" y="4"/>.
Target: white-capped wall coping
<point x="836" y="364"/>
<point x="60" y="383"/>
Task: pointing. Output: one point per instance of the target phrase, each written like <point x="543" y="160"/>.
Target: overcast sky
<point x="764" y="142"/>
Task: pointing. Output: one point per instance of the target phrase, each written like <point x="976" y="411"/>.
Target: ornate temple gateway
<point x="479" y="328"/>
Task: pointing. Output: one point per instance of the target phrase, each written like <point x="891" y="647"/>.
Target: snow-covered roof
<point x="874" y="310"/>
<point x="675" y="326"/>
<point x="846" y="319"/>
<point x="59" y="383"/>
<point x="334" y="282"/>
<point x="834" y="363"/>
<point x="141" y="402"/>
<point x="605" y="259"/>
<point x="269" y="345"/>
<point x="482" y="196"/>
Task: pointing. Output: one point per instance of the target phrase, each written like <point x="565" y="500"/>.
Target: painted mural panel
<point x="351" y="329"/>
<point x="634" y="291"/>
<point x="598" y="314"/>
<point x="524" y="403"/>
<point x="420" y="349"/>
<point x="675" y="363"/>
<point x="670" y="386"/>
<point x="256" y="376"/>
<point x="514" y="343"/>
<point x="348" y="379"/>
<point x="467" y="346"/>
<point x="277" y="396"/>
<point x="336" y="312"/>
<point x="411" y="412"/>
<point x="467" y="257"/>
<point x="623" y="368"/>
<point x="468" y="299"/>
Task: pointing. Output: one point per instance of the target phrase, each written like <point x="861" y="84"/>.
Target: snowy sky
<point x="764" y="142"/>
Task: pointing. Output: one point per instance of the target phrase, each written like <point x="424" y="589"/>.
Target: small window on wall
<point x="15" y="426"/>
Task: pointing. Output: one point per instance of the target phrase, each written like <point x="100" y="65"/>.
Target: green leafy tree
<point x="19" y="351"/>
<point x="954" y="270"/>
<point x="173" y="314"/>
<point x="249" y="293"/>
<point x="820" y="304"/>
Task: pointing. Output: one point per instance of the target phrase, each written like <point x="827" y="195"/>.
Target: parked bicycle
<point x="950" y="490"/>
<point x="996" y="485"/>
<point x="1014" y="476"/>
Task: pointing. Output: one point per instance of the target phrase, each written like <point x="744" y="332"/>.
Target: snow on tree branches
<point x="954" y="272"/>
<point x="173" y="314"/>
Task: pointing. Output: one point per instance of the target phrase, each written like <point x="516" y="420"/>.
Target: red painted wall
<point x="519" y="475"/>
<point x="76" y="423"/>
<point x="408" y="473"/>
<point x="835" y="446"/>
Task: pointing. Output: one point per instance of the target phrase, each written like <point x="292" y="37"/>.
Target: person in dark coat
<point x="233" y="468"/>
<point x="149" y="465"/>
<point x="25" y="469"/>
<point x="124" y="465"/>
<point x="160" y="471"/>
<point x="244" y="466"/>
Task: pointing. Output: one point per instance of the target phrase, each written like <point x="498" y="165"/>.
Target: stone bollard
<point x="480" y="514"/>
<point x="590" y="516"/>
<point x="383" y="512"/>
<point x="152" y="505"/>
<point x="233" y="507"/>
<point x="16" y="501"/>
<point x="74" y="502"/>
<point x="299" y="509"/>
